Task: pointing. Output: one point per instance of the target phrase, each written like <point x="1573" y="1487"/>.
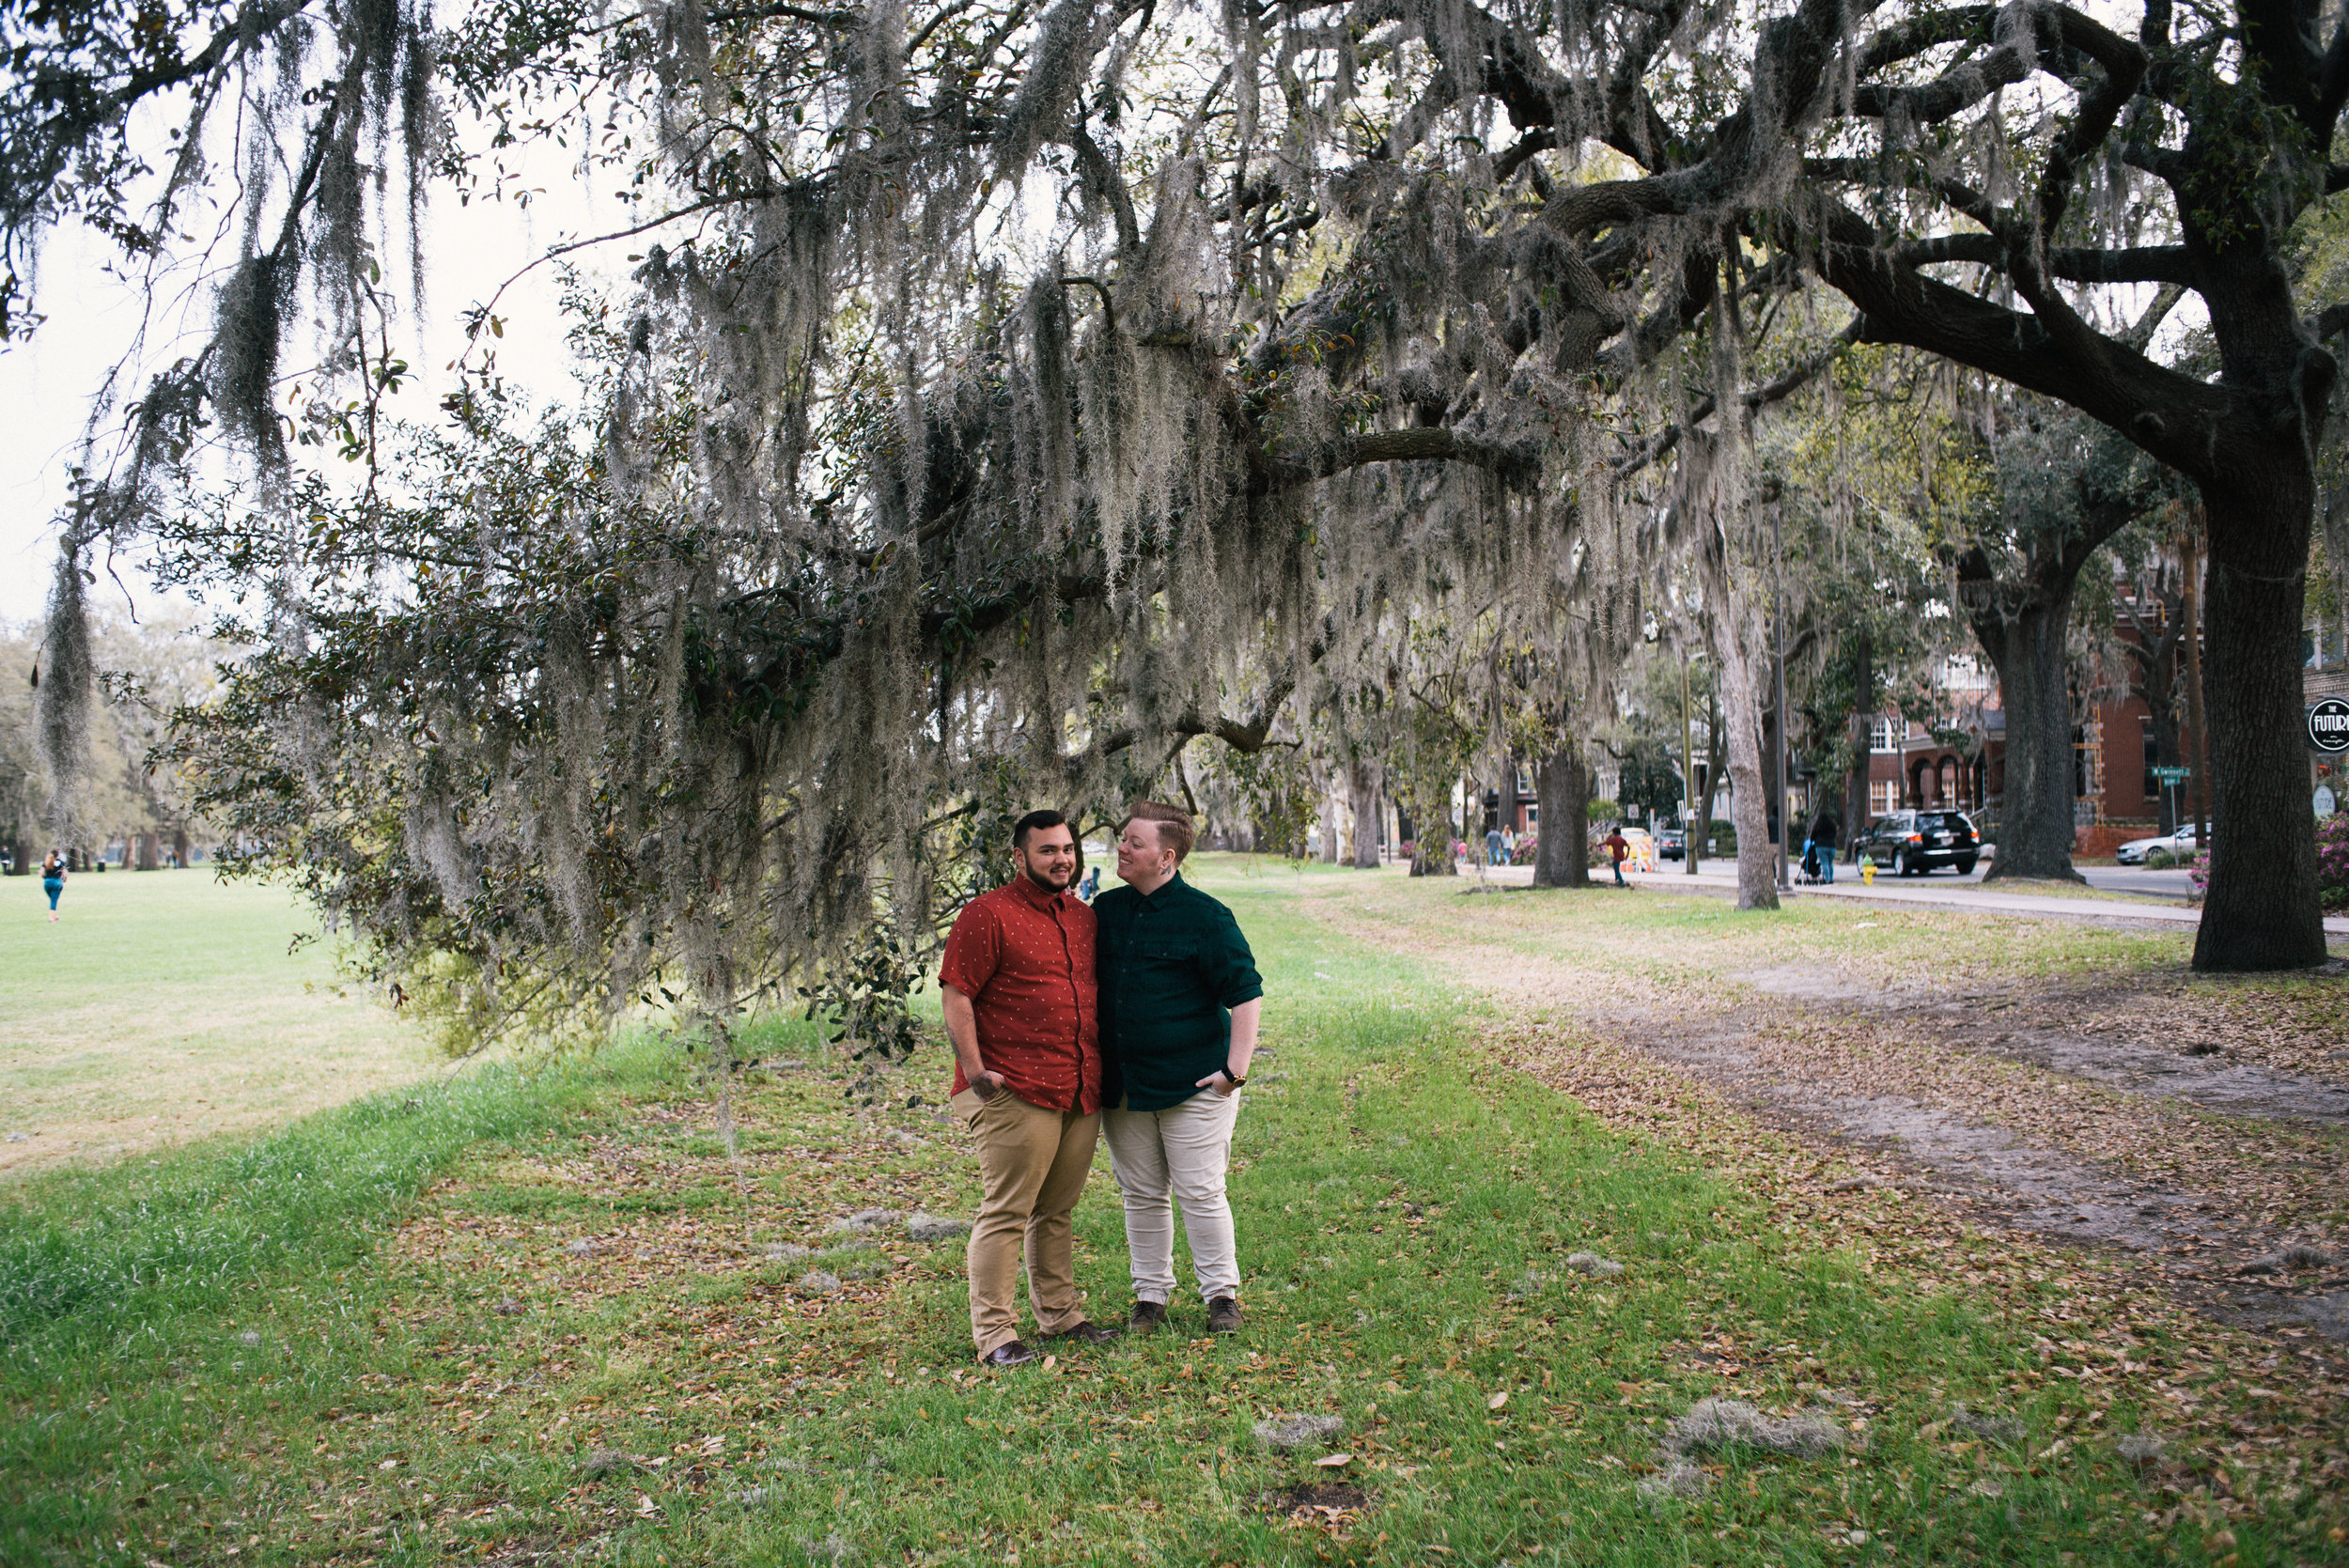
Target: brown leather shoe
<point x="1087" y="1333"/>
<point x="1009" y="1354"/>
<point x="1224" y="1315"/>
<point x="1148" y="1317"/>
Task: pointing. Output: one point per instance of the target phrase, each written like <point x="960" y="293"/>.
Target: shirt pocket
<point x="1168" y="953"/>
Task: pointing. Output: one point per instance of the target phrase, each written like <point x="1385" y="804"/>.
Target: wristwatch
<point x="1237" y="1081"/>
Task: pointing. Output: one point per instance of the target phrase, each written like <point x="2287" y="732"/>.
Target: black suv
<point x="1911" y="843"/>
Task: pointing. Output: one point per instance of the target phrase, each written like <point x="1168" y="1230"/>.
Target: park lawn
<point x="166" y="1007"/>
<point x="526" y="1319"/>
<point x="1670" y="936"/>
<point x="2047" y="887"/>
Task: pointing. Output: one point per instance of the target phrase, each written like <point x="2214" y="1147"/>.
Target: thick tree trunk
<point x="2036" y="825"/>
<point x="149" y="859"/>
<point x="1330" y="821"/>
<point x="1365" y="802"/>
<point x="1735" y="657"/>
<point x="2260" y="911"/>
<point x="1561" y="847"/>
<point x="21" y="857"/>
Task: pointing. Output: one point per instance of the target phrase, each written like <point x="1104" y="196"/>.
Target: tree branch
<point x="2130" y="264"/>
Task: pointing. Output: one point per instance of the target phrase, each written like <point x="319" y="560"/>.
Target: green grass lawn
<point x="164" y="1006"/>
<point x="535" y="1319"/>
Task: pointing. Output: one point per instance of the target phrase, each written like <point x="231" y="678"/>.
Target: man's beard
<point x="1031" y="873"/>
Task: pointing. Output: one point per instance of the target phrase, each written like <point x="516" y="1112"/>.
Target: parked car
<point x="1913" y="843"/>
<point x="2181" y="844"/>
<point x="1672" y="844"/>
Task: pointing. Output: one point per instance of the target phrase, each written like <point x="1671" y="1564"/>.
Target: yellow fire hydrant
<point x="1867" y="872"/>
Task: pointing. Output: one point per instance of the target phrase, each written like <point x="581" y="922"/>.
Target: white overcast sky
<point x="47" y="384"/>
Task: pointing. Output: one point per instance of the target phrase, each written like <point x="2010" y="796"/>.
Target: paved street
<point x="2135" y="894"/>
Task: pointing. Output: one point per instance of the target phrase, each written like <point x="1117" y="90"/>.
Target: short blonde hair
<point x="1173" y="825"/>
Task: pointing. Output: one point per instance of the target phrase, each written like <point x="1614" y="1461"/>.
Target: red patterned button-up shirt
<point x="1025" y="957"/>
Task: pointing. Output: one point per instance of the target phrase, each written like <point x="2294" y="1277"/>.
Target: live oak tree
<point x="2063" y="492"/>
<point x="1008" y="388"/>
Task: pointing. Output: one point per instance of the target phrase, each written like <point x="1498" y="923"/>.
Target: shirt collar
<point x="1029" y="894"/>
<point x="1164" y="888"/>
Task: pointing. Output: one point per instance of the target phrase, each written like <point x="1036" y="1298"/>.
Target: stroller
<point x="1808" y="874"/>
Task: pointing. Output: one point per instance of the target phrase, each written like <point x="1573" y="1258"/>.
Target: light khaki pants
<point x="1177" y="1156"/>
<point x="1032" y="1164"/>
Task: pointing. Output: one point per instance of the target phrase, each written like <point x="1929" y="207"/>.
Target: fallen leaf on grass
<point x="1334" y="1461"/>
<point x="1498" y="1400"/>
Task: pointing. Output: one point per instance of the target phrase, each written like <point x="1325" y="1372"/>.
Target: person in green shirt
<point x="1179" y="997"/>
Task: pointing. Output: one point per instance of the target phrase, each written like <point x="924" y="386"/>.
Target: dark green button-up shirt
<point x="1172" y="967"/>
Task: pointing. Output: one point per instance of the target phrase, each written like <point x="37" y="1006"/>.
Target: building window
<point x="1884" y="734"/>
<point x="1532" y="817"/>
<point x="1884" y="797"/>
<point x="2152" y="760"/>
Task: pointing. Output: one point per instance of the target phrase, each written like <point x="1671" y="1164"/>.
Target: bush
<point x="2160" y="860"/>
<point x="2332" y="863"/>
<point x="1606" y="811"/>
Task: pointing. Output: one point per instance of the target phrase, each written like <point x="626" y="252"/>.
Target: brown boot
<point x="1148" y="1317"/>
<point x="1224" y="1315"/>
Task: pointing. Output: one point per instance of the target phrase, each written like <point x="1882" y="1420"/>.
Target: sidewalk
<point x="1721" y="876"/>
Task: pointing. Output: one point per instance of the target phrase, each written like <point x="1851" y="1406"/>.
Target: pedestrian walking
<point x="1492" y="846"/>
<point x="1618" y="846"/>
<point x="1180" y="998"/>
<point x="52" y="880"/>
<point x="1018" y="984"/>
<point x="1825" y="831"/>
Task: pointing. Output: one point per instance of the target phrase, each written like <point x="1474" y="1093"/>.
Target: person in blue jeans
<point x="53" y="879"/>
<point x="1823" y="834"/>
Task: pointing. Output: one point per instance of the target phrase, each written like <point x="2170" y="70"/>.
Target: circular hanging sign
<point x="2328" y="725"/>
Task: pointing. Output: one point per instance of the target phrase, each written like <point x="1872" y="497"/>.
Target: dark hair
<point x="1173" y="823"/>
<point x="1033" y="821"/>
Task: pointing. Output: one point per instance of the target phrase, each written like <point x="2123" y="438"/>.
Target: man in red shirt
<point x="1618" y="846"/>
<point x="1018" y="987"/>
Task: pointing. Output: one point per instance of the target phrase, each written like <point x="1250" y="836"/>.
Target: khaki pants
<point x="1032" y="1164"/>
<point x="1177" y="1156"/>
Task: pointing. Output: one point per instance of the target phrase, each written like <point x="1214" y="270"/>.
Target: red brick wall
<point x="2099" y="842"/>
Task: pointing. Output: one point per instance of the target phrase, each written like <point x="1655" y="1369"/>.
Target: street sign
<point x="2328" y="725"/>
<point x="2171" y="775"/>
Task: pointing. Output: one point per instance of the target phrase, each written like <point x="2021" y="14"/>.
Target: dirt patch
<point x="2067" y="1110"/>
<point x="1334" y="1506"/>
<point x="2208" y="1079"/>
